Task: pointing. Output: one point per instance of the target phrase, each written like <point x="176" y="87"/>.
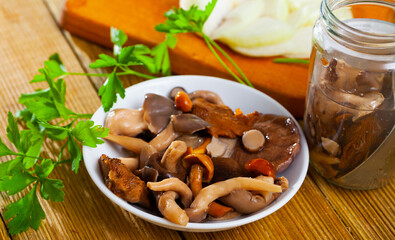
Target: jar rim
<point x="354" y="36"/>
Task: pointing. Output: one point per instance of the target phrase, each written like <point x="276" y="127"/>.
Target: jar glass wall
<point x="350" y="116"/>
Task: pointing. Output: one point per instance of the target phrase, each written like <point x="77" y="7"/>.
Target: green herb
<point x="291" y="60"/>
<point x="192" y="21"/>
<point x="156" y="60"/>
<point x="45" y="117"/>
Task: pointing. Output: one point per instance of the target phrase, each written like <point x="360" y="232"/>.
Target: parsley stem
<point x="64" y="161"/>
<point x="230" y="60"/>
<point x="127" y="71"/>
<point x="291" y="60"/>
<point x="24" y="155"/>
<point x="206" y="39"/>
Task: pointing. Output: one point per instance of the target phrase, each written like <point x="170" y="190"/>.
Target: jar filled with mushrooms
<point x="349" y="119"/>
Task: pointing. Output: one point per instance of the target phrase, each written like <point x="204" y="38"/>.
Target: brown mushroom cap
<point x="188" y="123"/>
<point x="203" y="160"/>
<point x="157" y="112"/>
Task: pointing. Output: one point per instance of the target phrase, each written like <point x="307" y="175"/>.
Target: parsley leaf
<point x="16" y="180"/>
<point x="51" y="189"/>
<point x="13" y="131"/>
<point x="88" y="134"/>
<point x="26" y="212"/>
<point x="103" y="61"/>
<point x="75" y="153"/>
<point x="109" y="90"/>
<point x="46" y="167"/>
<point x="161" y="54"/>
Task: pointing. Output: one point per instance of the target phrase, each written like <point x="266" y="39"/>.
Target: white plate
<point x="235" y="96"/>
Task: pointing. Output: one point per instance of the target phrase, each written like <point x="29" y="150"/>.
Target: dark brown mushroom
<point x="281" y="146"/>
<point x="188" y="123"/>
<point x="154" y="162"/>
<point x="157" y="112"/>
<point x="174" y="92"/>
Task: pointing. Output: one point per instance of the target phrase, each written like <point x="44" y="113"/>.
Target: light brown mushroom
<point x="188" y="123"/>
<point x="145" y="154"/>
<point x="253" y="140"/>
<point x="173" y="184"/>
<point x="173" y="154"/>
<point x="133" y="144"/>
<point x="128" y="122"/>
<point x="131" y="162"/>
<point x="208" y="95"/>
<point x="199" y="207"/>
<point x="330" y="146"/>
<point x="164" y="138"/>
<point x="170" y="210"/>
<point x="221" y="147"/>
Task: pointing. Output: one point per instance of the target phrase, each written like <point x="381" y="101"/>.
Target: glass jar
<point x="349" y="118"/>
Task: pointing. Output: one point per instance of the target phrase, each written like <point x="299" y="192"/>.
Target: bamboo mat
<point x="29" y="33"/>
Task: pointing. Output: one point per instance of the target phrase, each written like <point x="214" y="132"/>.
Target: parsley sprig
<point x="192" y="21"/>
<point x="156" y="60"/>
<point x="45" y="117"/>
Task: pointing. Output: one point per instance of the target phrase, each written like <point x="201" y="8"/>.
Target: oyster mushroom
<point x="199" y="207"/>
<point x="188" y="123"/>
<point x="128" y="122"/>
<point x="157" y="111"/>
<point x="246" y="202"/>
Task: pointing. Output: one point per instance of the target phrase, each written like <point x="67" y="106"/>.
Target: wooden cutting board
<point x="92" y="19"/>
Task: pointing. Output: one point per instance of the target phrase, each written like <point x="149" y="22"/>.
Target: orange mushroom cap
<point x="203" y="160"/>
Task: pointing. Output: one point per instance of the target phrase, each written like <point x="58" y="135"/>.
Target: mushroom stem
<point x="130" y="143"/>
<point x="173" y="184"/>
<point x="131" y="163"/>
<point x="164" y="138"/>
<point x="170" y="209"/>
<point x="173" y="154"/>
<point x="195" y="178"/>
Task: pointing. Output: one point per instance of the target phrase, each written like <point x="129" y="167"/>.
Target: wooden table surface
<point x="29" y="33"/>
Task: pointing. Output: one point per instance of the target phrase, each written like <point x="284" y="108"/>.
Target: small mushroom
<point x="157" y="111"/>
<point x="173" y="154"/>
<point x="201" y="170"/>
<point x="183" y="102"/>
<point x="253" y="140"/>
<point x="128" y="122"/>
<point x="211" y="97"/>
<point x="131" y="143"/>
<point x="154" y="162"/>
<point x="221" y="147"/>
